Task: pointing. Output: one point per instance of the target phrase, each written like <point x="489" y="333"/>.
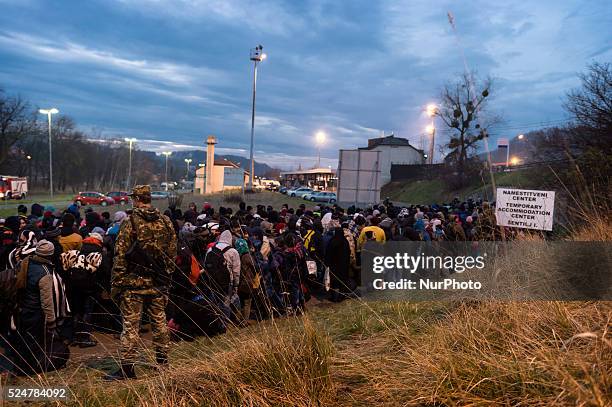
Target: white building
<point x="393" y="150"/>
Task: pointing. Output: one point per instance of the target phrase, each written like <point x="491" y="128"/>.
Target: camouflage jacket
<point x="155" y="235"/>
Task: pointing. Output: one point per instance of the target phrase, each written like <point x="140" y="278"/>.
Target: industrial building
<point x="223" y="175"/>
<point x="363" y="172"/>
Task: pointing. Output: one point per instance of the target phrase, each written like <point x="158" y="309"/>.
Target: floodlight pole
<point x="253" y="124"/>
<point x="257" y="55"/>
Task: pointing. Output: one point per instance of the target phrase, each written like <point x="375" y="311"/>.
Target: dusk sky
<point x="175" y="71"/>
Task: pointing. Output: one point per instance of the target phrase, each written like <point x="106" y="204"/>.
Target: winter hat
<point x="52" y="232"/>
<point x="97" y="236"/>
<point x="119" y="216"/>
<point x="385" y="223"/>
<point x="98" y="230"/>
<point x="242" y="246"/>
<point x="45" y="248"/>
<point x="469" y="219"/>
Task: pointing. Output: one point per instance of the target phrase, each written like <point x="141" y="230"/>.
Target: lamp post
<point x="129" y="177"/>
<point x="432" y="110"/>
<point x="167" y="154"/>
<point x="257" y="55"/>
<point x="50" y="112"/>
<point x="320" y="138"/>
<point x="188" y="161"/>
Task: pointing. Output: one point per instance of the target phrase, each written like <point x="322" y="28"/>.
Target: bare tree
<point x="16" y="121"/>
<point x="591" y="107"/>
<point x="461" y="108"/>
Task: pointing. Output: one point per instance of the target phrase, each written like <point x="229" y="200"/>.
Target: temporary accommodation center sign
<point x="525" y="208"/>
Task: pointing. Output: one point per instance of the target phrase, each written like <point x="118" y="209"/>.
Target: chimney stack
<point x="210" y="162"/>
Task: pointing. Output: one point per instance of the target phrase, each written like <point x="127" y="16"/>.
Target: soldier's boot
<point x="125" y="371"/>
<point x="161" y="358"/>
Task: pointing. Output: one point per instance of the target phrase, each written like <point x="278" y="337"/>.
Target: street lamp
<point x="50" y="112"/>
<point x="257" y="55"/>
<point x="432" y="111"/>
<point x="320" y="138"/>
<point x="188" y="161"/>
<point x="130" y="141"/>
<point x="167" y="154"/>
<point x="521" y="136"/>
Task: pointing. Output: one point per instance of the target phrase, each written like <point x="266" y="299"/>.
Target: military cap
<point x="141" y="190"/>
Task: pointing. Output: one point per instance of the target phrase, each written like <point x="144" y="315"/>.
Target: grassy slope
<point x="429" y="191"/>
<point x="384" y="353"/>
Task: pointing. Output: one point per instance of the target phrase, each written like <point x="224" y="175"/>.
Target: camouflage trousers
<point x="132" y="306"/>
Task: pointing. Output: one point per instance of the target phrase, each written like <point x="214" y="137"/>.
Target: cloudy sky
<point x="175" y="71"/>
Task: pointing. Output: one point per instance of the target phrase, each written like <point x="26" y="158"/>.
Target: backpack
<point x="12" y="280"/>
<point x="147" y="259"/>
<point x="217" y="276"/>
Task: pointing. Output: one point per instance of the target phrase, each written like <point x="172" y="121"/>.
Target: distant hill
<point x="199" y="156"/>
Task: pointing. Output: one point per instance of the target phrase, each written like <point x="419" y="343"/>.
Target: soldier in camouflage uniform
<point x="137" y="287"/>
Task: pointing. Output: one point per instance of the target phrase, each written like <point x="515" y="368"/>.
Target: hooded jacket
<point x="44" y="297"/>
<point x="232" y="258"/>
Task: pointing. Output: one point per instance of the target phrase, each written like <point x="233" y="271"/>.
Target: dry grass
<point x="384" y="353"/>
<point x="488" y="353"/>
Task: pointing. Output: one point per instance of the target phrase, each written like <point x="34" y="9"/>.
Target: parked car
<point x="283" y="190"/>
<point x="321" y="196"/>
<point x="159" y="194"/>
<point x="120" y="197"/>
<point x="93" y="198"/>
<point x="299" y="192"/>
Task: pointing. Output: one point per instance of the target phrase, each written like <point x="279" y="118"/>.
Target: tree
<point x="16" y="121"/>
<point x="461" y="109"/>
<point x="591" y="108"/>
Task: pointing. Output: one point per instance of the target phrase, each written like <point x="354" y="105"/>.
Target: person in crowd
<point x="338" y="259"/>
<point x="145" y="251"/>
<point x="222" y="273"/>
<point x="293" y="271"/>
<point x="105" y="220"/>
<point x="249" y="278"/>
<point x="26" y="246"/>
<point x="454" y="229"/>
<point x="372" y="232"/>
<point x="113" y="229"/>
<point x="87" y="269"/>
<point x="52" y="234"/>
<point x="43" y="327"/>
<point x="10" y="237"/>
<point x="69" y="238"/>
<point x="92" y="220"/>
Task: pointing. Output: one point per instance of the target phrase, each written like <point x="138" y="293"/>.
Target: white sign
<point x="525" y="208"/>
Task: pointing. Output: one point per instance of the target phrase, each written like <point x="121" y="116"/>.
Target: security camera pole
<point x="257" y="55"/>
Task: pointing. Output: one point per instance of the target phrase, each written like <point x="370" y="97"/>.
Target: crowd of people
<point x="65" y="271"/>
